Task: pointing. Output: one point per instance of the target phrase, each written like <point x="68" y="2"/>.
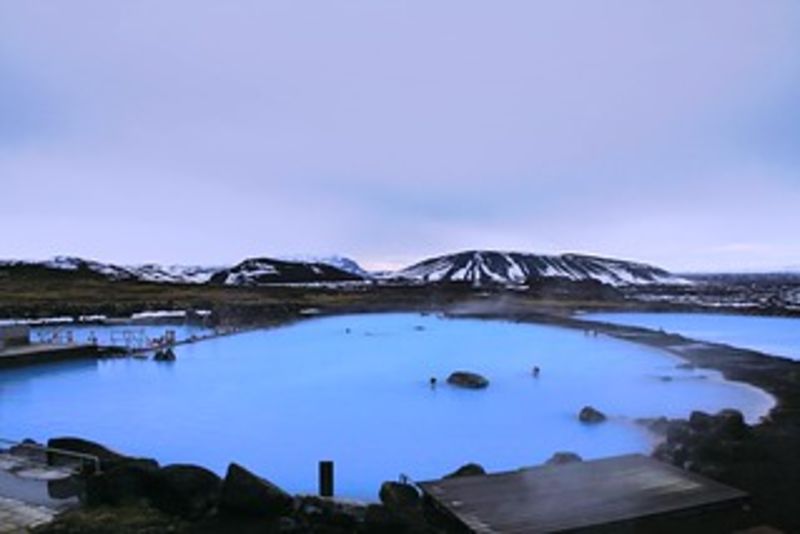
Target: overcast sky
<point x="209" y="131"/>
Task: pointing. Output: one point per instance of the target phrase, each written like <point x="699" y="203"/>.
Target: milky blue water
<point x="278" y="401"/>
<point x="778" y="336"/>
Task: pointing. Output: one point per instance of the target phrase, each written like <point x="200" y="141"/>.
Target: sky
<point x="204" y="132"/>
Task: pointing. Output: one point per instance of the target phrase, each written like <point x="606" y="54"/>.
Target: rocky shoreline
<point x="126" y="494"/>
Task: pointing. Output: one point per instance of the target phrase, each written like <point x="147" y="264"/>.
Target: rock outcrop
<point x="184" y="490"/>
<point x="245" y="493"/>
<point x="125" y="483"/>
<point x="469" y="380"/>
<point x="165" y="355"/>
<point x="591" y="415"/>
<point x="399" y="496"/>
<point x="107" y="457"/>
<point x="705" y="443"/>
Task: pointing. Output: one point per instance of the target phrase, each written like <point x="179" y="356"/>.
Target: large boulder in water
<point x="165" y="355"/>
<point x="466" y="379"/>
<point x="247" y="494"/>
<point x="591" y="415"/>
<point x="187" y="491"/>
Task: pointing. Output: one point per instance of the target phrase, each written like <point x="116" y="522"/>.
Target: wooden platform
<point x="582" y="497"/>
<point x="45" y="352"/>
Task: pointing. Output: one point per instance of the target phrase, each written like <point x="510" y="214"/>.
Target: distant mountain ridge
<point x="494" y="267"/>
<point x="476" y="267"/>
<point x="260" y="271"/>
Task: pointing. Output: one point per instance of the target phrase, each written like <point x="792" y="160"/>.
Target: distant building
<point x="14" y="336"/>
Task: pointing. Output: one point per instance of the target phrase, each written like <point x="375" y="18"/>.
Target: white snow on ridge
<point x="512" y="268"/>
<point x="185" y="274"/>
<point x="340" y="262"/>
<point x="253" y="271"/>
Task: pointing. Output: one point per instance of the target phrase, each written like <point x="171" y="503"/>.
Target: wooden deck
<point x="45" y="352"/>
<point x="578" y="497"/>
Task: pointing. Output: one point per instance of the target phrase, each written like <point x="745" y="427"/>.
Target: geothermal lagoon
<point x="355" y="389"/>
<point x="778" y="336"/>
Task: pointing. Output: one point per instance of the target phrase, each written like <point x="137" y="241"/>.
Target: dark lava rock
<point x="700" y="421"/>
<point x="107" y="457"/>
<point x="379" y="520"/>
<point x="730" y="423"/>
<point x="561" y="458"/>
<point x="245" y="493"/>
<point x="398" y="496"/>
<point x="318" y="514"/>
<point x="467" y="470"/>
<point x="165" y="355"/>
<point x="187" y="491"/>
<point x="124" y="483"/>
<point x="468" y="380"/>
<point x="705" y="441"/>
<point x="591" y="415"/>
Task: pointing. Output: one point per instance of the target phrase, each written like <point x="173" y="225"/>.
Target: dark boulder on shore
<point x="107" y="457"/>
<point x="705" y="442"/>
<point x="399" y="496"/>
<point x="247" y="494"/>
<point x="381" y="520"/>
<point x="466" y="379"/>
<point x="124" y="483"/>
<point x="184" y="490"/>
<point x="591" y="415"/>
<point x="467" y="470"/>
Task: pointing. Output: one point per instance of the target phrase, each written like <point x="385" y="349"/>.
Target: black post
<point x="326" y="478"/>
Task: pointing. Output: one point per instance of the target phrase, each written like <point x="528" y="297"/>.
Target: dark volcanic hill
<point x="515" y="268"/>
<point x="258" y="271"/>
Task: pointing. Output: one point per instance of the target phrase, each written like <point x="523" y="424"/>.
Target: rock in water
<point x="187" y="491"/>
<point x="468" y="380"/>
<point x="467" y="470"/>
<point x="591" y="415"/>
<point x="245" y="493"/>
<point x="165" y="355"/>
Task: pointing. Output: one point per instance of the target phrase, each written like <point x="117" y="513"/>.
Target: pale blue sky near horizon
<point x="203" y="132"/>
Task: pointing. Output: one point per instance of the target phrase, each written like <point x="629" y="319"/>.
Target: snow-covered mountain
<point x="475" y="267"/>
<point x="340" y="262"/>
<point x="173" y="274"/>
<point x="514" y="268"/>
<point x="66" y="265"/>
<point x="259" y="271"/>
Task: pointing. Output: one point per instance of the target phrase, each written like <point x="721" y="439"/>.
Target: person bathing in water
<point x="535" y="371"/>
